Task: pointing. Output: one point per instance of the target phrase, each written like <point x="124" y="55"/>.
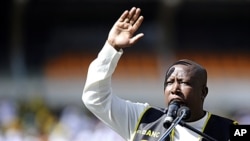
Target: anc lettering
<point x="150" y="133"/>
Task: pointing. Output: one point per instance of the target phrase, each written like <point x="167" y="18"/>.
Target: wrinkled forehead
<point x="182" y="65"/>
<point x="180" y="70"/>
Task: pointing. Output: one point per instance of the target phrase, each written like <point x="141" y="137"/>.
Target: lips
<point x="179" y="100"/>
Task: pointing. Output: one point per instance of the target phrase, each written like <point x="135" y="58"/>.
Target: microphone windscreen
<point x="171" y="113"/>
<point x="184" y="110"/>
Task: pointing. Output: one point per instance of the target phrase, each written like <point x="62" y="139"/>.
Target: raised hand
<point x="122" y="33"/>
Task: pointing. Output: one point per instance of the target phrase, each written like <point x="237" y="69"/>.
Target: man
<point x="185" y="83"/>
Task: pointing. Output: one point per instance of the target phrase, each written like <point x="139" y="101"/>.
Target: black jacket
<point x="150" y="127"/>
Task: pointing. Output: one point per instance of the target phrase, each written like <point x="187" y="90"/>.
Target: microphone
<point x="171" y="113"/>
<point x="185" y="111"/>
<point x="177" y="113"/>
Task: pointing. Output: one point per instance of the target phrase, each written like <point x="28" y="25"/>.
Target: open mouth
<point x="178" y="100"/>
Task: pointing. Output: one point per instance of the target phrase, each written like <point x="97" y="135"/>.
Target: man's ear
<point x="204" y="92"/>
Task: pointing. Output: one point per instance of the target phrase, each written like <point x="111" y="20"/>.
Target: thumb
<point x="136" y="38"/>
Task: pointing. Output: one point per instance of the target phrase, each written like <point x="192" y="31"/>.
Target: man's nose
<point x="175" y="88"/>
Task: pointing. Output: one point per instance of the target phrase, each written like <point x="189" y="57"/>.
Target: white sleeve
<point x="121" y="115"/>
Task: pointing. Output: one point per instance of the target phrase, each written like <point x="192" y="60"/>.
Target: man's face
<point x="182" y="85"/>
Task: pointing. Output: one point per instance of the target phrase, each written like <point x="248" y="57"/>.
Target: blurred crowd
<point x="34" y="121"/>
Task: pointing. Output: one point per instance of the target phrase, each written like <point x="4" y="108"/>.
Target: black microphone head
<point x="184" y="110"/>
<point x="171" y="112"/>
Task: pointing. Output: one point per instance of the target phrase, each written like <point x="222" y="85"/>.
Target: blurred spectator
<point x="8" y="112"/>
<point x="242" y="116"/>
<point x="72" y="122"/>
<point x="35" y="121"/>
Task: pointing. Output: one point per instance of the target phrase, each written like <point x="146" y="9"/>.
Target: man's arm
<point x="119" y="114"/>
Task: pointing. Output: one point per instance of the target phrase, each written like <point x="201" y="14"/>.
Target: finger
<point x="123" y="16"/>
<point x="126" y="20"/>
<point x="137" y="24"/>
<point x="136" y="38"/>
<point x="132" y="11"/>
<point x="135" y="16"/>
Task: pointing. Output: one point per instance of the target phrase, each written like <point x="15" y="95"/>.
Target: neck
<point x="195" y="117"/>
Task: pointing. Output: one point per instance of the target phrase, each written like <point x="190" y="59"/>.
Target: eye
<point x="168" y="82"/>
<point x="185" y="83"/>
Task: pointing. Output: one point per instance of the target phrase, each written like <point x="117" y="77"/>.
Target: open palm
<point x="122" y="33"/>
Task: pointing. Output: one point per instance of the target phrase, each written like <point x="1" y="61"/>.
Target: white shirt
<point x="187" y="134"/>
<point x="121" y="115"/>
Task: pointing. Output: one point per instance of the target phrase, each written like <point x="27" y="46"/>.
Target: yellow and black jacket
<point x="150" y="126"/>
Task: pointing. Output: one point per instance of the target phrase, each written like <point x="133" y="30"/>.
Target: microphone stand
<point x="205" y="136"/>
<point x="178" y="120"/>
<point x="174" y="123"/>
